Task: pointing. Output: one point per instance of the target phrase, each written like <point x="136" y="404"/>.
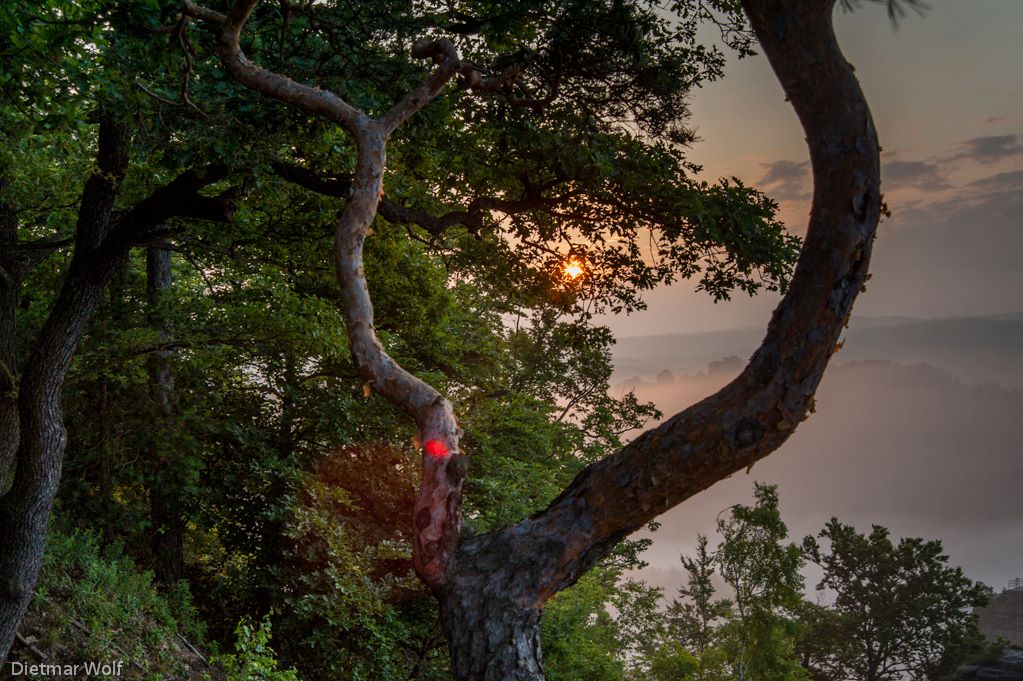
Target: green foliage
<point x="253" y="659"/>
<point x="672" y="662"/>
<point x="763" y="573"/>
<point x="353" y="608"/>
<point x="919" y="608"/>
<point x="578" y="636"/>
<point x="899" y="612"/>
<point x="93" y="603"/>
<point x="595" y="630"/>
<point x="695" y="620"/>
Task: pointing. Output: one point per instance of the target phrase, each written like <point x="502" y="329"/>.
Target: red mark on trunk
<point x="436" y="448"/>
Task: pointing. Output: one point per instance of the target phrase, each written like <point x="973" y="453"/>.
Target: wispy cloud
<point x="918" y="174"/>
<point x="1009" y="181"/>
<point x="990" y="148"/>
<point x="786" y="180"/>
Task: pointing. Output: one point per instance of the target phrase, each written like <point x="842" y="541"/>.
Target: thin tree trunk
<point x="10" y="285"/>
<point x="164" y="490"/>
<point x="105" y="472"/>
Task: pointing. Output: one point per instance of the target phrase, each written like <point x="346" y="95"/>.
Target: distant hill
<point x="973" y="349"/>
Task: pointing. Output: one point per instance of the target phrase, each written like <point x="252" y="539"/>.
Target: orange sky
<point x="945" y="90"/>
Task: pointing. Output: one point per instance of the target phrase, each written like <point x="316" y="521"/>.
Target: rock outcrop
<point x="1008" y="667"/>
<point x="1003" y="617"/>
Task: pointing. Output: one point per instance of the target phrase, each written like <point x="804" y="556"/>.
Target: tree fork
<point x="492" y="588"/>
<point x="759" y="410"/>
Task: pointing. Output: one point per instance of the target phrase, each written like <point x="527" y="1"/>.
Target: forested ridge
<point x="296" y="313"/>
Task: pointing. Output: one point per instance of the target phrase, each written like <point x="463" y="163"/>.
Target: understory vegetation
<point x="233" y="493"/>
<point x="742" y="612"/>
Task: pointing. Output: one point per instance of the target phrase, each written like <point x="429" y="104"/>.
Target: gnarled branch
<point x="178" y="198"/>
<point x="760" y="409"/>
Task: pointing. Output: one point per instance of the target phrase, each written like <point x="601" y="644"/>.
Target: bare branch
<point x="437" y="523"/>
<point x="194" y="10"/>
<point x="471" y="218"/>
<point x="443" y="53"/>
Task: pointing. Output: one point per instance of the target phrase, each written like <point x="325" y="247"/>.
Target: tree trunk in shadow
<point x="495" y="586"/>
<point x="10" y="285"/>
<point x="25" y="510"/>
<point x="164" y="491"/>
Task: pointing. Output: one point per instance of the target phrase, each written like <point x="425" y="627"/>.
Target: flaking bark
<point x="492" y="588"/>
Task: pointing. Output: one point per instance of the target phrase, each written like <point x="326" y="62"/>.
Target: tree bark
<point x="164" y="489"/>
<point x="489" y="611"/>
<point x="492" y="588"/>
<point x="10" y="287"/>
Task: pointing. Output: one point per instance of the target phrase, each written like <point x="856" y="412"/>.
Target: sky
<point x="947" y="97"/>
<point x="924" y="442"/>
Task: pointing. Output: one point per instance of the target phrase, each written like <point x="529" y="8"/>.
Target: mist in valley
<point x="917" y="428"/>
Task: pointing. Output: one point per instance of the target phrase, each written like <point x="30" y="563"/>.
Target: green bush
<point x="253" y="659"/>
<point x="92" y="603"/>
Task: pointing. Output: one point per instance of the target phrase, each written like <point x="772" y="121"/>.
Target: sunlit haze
<point x="917" y="419"/>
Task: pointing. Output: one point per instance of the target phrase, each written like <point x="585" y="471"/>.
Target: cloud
<point x="1003" y="119"/>
<point x="786" y="180"/>
<point x="990" y="148"/>
<point x="918" y="174"/>
<point x="1009" y="181"/>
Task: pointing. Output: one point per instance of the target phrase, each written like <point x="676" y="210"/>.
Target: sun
<point x="573" y="269"/>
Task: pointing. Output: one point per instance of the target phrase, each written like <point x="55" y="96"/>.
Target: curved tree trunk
<point x="728" y="431"/>
<point x="492" y="588"/>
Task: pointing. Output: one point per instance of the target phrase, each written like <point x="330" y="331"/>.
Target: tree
<point x="763" y="574"/>
<point x="820" y="641"/>
<point x="901" y="605"/>
<point x="34" y="431"/>
<point x="696" y="618"/>
<point x="492" y="587"/>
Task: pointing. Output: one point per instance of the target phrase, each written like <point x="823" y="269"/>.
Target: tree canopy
<point x="233" y="401"/>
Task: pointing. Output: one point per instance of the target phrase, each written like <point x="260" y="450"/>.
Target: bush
<point x="253" y="659"/>
<point x="93" y="604"/>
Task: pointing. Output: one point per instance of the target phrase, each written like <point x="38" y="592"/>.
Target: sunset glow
<point x="573" y="269"/>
